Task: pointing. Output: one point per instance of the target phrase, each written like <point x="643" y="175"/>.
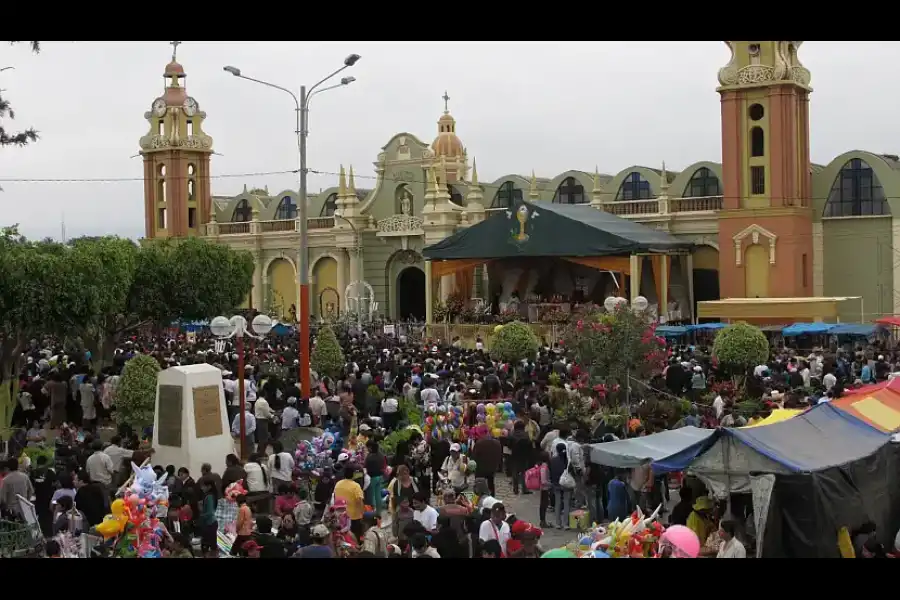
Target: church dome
<point x="447" y="143"/>
<point x="174" y="69"/>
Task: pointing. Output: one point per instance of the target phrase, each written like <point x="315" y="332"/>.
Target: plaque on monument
<point x="207" y="411"/>
<point x="169" y="415"/>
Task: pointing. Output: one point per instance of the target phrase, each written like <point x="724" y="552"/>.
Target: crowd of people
<point x="419" y="496"/>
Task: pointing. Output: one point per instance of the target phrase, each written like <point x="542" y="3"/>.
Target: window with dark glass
<point x="757" y="142"/>
<point x="329" y="207"/>
<point x="634" y="187"/>
<point x="242" y="212"/>
<point x="703" y="184"/>
<point x="569" y="192"/>
<point x="506" y="196"/>
<point x="856" y="192"/>
<point x="287" y="209"/>
<point x="455" y="196"/>
<point x="757" y="180"/>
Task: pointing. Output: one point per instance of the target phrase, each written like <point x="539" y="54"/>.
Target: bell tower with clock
<point x="176" y="151"/>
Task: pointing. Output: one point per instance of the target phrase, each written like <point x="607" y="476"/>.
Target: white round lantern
<point x="262" y="324"/>
<point x="221" y="327"/>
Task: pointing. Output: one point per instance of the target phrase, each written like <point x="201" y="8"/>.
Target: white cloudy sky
<point x="519" y="106"/>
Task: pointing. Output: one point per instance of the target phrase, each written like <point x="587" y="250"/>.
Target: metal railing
<point x="234" y="228"/>
<point x="623" y="208"/>
<point x="695" y="204"/>
<point x="280" y="225"/>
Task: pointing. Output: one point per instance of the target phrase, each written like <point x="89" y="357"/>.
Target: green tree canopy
<point x="136" y="395"/>
<point x="514" y="342"/>
<point x="327" y="357"/>
<point x="741" y="346"/>
<point x="99" y="289"/>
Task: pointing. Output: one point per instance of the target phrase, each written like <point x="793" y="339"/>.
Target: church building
<point x="765" y="220"/>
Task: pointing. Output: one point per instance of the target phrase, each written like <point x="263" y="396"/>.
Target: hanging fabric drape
<point x="617" y="264"/>
<point x="449" y="267"/>
<point x="464" y="282"/>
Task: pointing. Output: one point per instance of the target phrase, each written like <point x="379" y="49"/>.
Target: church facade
<point x="765" y="220"/>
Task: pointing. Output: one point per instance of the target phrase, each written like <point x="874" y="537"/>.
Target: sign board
<point x="389" y="330"/>
<point x="207" y="411"/>
<point x="169" y="418"/>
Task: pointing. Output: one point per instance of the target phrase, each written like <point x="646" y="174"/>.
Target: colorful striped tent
<point x="877" y="405"/>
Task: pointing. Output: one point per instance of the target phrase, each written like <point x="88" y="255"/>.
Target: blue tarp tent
<point x="634" y="452"/>
<point x="807" y="329"/>
<point x="670" y="331"/>
<point x="852" y="329"/>
<point x="821" y="438"/>
<point x="706" y="326"/>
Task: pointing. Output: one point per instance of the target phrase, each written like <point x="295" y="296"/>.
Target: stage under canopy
<point x="578" y="234"/>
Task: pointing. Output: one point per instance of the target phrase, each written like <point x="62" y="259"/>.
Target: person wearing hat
<point x="700" y="521"/>
<point x="524" y="541"/>
<point x="320" y="548"/>
<point x="456" y="467"/>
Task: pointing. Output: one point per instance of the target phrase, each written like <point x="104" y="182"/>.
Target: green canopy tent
<point x="560" y="230"/>
<point x="577" y="233"/>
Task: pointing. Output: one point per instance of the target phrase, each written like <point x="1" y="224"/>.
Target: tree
<point x="99" y="289"/>
<point x="613" y="346"/>
<point x="514" y="342"/>
<point x="20" y="138"/>
<point x="189" y="279"/>
<point x="35" y="294"/>
<point x="136" y="396"/>
<point x="740" y="347"/>
<point x="327" y="357"/>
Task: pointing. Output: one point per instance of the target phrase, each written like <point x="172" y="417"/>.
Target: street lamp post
<point x="302" y="132"/>
<point x="359" y="262"/>
<point x="236" y="327"/>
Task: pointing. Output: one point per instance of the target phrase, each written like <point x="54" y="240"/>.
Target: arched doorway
<point x="411" y="294"/>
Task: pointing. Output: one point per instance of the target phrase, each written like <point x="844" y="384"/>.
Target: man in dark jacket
<point x="487" y="454"/>
<point x="270" y="546"/>
<point x="521" y="457"/>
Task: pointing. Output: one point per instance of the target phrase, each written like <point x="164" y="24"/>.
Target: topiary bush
<point x="740" y="347"/>
<point x="136" y="395"/>
<point x="514" y="342"/>
<point x="327" y="357"/>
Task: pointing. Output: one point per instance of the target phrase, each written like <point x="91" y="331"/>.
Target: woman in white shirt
<point x="281" y="466"/>
<point x="257" y="475"/>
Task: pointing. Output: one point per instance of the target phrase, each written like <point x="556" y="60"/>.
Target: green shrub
<point x="327" y="357"/>
<point x="740" y="347"/>
<point x="136" y="396"/>
<point x="514" y="342"/>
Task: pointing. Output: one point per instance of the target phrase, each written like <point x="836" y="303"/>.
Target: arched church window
<point x="287" y="209"/>
<point x="703" y="184"/>
<point x="329" y="207"/>
<point x="569" y="192"/>
<point x="856" y="192"/>
<point x="242" y="212"/>
<point x="507" y="195"/>
<point x="634" y="187"/>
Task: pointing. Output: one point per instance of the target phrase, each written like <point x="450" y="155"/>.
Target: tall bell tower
<point x="765" y="227"/>
<point x="176" y="151"/>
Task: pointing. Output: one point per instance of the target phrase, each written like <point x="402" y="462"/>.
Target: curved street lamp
<point x="302" y="132"/>
<point x="236" y="327"/>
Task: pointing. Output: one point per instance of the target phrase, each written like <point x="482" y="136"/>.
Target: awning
<point x="777" y="310"/>
<point x="807" y="329"/>
<point x="706" y="326"/>
<point x="877" y="405"/>
<point x="558" y="230"/>
<point x="637" y="451"/>
<point x="895" y="321"/>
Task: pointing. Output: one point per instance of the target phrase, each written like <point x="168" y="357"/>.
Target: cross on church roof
<point x="446" y="100"/>
<point x="175" y="49"/>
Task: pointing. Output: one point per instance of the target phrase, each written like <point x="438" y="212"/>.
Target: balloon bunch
<point x="496" y="416"/>
<point x="444" y="422"/>
<point x="635" y="537"/>
<point x="135" y="519"/>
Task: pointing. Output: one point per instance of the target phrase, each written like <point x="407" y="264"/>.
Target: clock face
<point x="159" y="107"/>
<point x="190" y="106"/>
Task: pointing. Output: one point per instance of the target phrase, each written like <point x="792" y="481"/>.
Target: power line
<point x="131" y="179"/>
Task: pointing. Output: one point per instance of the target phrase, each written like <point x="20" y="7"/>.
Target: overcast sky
<point x="519" y="106"/>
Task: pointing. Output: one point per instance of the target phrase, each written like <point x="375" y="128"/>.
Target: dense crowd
<point x="388" y="484"/>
